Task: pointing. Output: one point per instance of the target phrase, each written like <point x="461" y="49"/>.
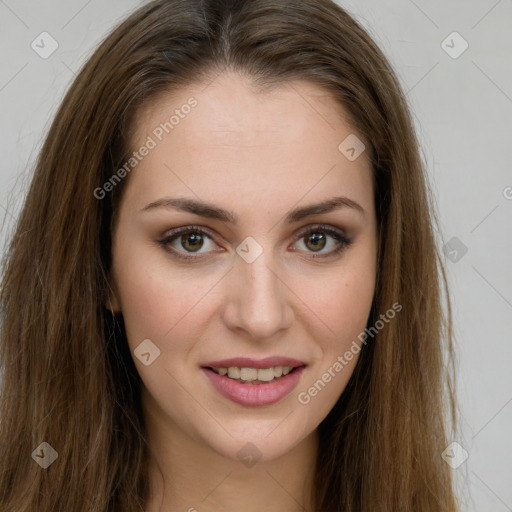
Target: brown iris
<point x="192" y="241"/>
<point x="316" y="241"/>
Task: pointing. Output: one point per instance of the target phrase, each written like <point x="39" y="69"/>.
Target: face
<point x="219" y="261"/>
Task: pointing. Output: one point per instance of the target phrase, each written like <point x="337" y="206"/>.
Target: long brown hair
<point x="68" y="376"/>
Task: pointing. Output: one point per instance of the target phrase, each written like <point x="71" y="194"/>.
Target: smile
<point x="254" y="387"/>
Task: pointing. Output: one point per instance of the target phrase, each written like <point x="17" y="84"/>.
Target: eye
<point x="186" y="241"/>
<point x="316" y="239"/>
<point x="189" y="239"/>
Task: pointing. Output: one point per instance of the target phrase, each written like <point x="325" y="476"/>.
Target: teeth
<point x="266" y="375"/>
<point x="250" y="374"/>
<point x="278" y="371"/>
<point x="234" y="372"/>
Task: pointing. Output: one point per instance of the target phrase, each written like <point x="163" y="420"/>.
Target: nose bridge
<point x="258" y="300"/>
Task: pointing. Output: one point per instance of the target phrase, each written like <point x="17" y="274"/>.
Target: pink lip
<point x="254" y="394"/>
<point x="247" y="362"/>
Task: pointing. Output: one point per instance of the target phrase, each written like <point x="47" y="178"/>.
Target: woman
<point x="224" y="290"/>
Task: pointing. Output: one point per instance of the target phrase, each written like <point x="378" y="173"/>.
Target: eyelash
<point x="343" y="241"/>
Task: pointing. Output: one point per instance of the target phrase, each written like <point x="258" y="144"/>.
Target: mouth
<point x="254" y="383"/>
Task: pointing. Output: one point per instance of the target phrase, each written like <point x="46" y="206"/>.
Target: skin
<point x="259" y="155"/>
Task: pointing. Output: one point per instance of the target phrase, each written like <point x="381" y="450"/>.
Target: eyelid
<point x="337" y="233"/>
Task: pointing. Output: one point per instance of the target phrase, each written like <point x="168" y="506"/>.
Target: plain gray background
<point x="462" y="106"/>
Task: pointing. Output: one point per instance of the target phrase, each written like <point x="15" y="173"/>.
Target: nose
<point x="258" y="299"/>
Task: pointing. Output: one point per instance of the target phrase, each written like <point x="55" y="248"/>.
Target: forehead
<point x="282" y="141"/>
<point x="231" y="106"/>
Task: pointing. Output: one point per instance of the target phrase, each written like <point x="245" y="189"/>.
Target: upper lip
<point x="247" y="362"/>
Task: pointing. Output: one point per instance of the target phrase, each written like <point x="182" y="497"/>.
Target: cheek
<point x="343" y="304"/>
<point x="342" y="299"/>
<point x="159" y="301"/>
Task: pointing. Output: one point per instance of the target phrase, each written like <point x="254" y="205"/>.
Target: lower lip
<point x="254" y="394"/>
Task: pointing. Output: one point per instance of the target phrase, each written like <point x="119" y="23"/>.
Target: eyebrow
<point x="211" y="211"/>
